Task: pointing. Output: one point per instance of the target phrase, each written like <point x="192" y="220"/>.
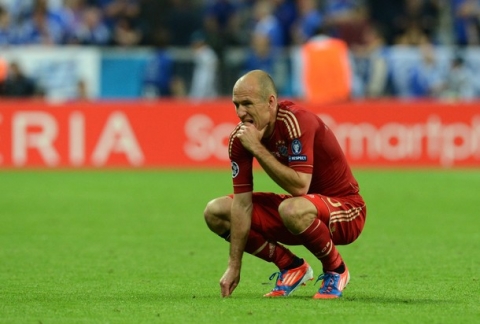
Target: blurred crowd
<point x="264" y="27"/>
<point x="236" y="22"/>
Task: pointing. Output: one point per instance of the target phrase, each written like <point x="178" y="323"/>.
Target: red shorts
<point x="344" y="216"/>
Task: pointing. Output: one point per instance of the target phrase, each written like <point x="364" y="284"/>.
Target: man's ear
<point x="272" y="101"/>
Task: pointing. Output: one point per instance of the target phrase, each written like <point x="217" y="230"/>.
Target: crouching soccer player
<point x="323" y="207"/>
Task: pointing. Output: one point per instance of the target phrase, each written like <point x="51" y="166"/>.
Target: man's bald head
<point x="261" y="81"/>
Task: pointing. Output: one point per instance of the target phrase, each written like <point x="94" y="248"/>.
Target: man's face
<point x="250" y="106"/>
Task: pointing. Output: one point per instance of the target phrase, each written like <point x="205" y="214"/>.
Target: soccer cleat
<point x="289" y="280"/>
<point x="332" y="284"/>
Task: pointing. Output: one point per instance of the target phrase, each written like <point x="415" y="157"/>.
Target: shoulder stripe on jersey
<point x="232" y="137"/>
<point x="291" y="122"/>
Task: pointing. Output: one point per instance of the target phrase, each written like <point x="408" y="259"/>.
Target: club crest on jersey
<point x="282" y="148"/>
<point x="296" y="147"/>
<point x="235" y="169"/>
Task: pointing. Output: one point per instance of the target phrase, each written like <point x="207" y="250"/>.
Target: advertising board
<point x="184" y="134"/>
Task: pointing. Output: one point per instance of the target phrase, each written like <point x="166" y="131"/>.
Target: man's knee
<point x="208" y="212"/>
<point x="217" y="214"/>
<point x="287" y="211"/>
<point x="297" y="213"/>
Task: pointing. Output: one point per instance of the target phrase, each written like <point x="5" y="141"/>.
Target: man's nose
<point x="241" y="112"/>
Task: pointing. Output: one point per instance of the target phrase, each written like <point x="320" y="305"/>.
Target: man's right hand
<point x="250" y="136"/>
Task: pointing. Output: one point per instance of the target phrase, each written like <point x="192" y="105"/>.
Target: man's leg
<point x="300" y="217"/>
<point x="310" y="218"/>
<point x="217" y="217"/>
<point x="292" y="268"/>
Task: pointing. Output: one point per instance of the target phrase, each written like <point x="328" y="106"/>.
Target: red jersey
<point x="302" y="141"/>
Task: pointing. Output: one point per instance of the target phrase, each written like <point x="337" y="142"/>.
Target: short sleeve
<point x="241" y="161"/>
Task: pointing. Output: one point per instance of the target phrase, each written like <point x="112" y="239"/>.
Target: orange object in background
<point x="3" y="69"/>
<point x="326" y="70"/>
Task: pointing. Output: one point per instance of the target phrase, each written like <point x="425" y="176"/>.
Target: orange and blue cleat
<point x="289" y="280"/>
<point x="332" y="284"/>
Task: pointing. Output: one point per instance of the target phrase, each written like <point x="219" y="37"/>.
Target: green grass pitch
<point x="132" y="247"/>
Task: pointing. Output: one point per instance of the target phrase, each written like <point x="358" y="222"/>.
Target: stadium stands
<point x="118" y="38"/>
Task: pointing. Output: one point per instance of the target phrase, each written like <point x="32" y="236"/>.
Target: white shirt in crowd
<point x="204" y="80"/>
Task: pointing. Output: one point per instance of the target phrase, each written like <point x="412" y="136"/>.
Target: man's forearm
<point x="240" y="221"/>
<point x="284" y="176"/>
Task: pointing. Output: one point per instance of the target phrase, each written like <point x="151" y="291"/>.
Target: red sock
<point x="258" y="246"/>
<point x="316" y="238"/>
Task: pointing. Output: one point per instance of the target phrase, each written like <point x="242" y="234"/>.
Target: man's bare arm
<point x="295" y="183"/>
<point x="241" y="217"/>
<point x="240" y="221"/>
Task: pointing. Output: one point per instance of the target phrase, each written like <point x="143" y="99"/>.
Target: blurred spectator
<point x="7" y="32"/>
<point x="204" y="79"/>
<point x="159" y="72"/>
<point x="386" y="15"/>
<point x="286" y="13"/>
<point x="82" y="90"/>
<point x="43" y="27"/>
<point x="309" y="20"/>
<point x="345" y="19"/>
<point x="244" y="21"/>
<point x="18" y="9"/>
<point x="371" y="64"/>
<point x="55" y="5"/>
<point x="17" y="84"/>
<point x="220" y="23"/>
<point x="262" y="56"/>
<point x="412" y="35"/>
<point x="418" y="22"/>
<point x="266" y="23"/>
<point x="427" y="77"/>
<point x="126" y="33"/>
<point x="121" y="17"/>
<point x="183" y="19"/>
<point x="72" y="17"/>
<point x="459" y="84"/>
<point x="424" y="13"/>
<point x="117" y="10"/>
<point x="72" y="14"/>
<point x="90" y="30"/>
<point x="152" y="16"/>
<point x="466" y="21"/>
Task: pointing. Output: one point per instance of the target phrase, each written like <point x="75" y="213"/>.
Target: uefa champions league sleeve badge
<point x="235" y="169"/>
<point x="296" y="150"/>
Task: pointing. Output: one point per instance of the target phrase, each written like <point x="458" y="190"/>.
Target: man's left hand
<point x="229" y="281"/>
